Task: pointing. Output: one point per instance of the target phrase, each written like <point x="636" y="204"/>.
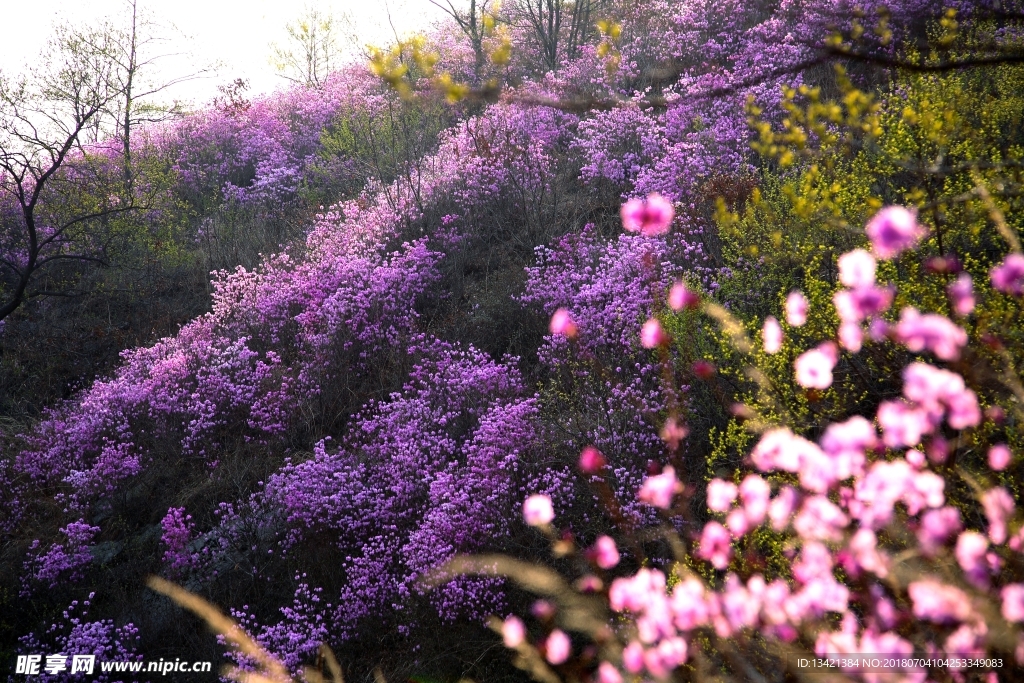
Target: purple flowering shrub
<point x="75" y="634"/>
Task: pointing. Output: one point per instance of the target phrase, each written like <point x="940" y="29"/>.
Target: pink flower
<point x="607" y="673"/>
<point x="937" y="526"/>
<point x="971" y="548"/>
<point x="961" y="294"/>
<point x="737" y="523"/>
<point x="857" y="269"/>
<point x="715" y="545"/>
<point x="864" y="548"/>
<point x="513" y="632"/>
<point x="846" y="444"/>
<point x="819" y="518"/>
<point x="938" y="602"/>
<point x="537" y="510"/>
<point x="856" y="305"/>
<point x="781" y="508"/>
<point x="1009" y="275"/>
<point x="999" y="457"/>
<point x="815" y="563"/>
<point x="902" y="424"/>
<point x="755" y="493"/>
<point x="650" y="217"/>
<point x="796" y="309"/>
<point x="1013" y="602"/>
<point x="721" y="494"/>
<point x="814" y="367"/>
<point x="659" y="489"/>
<point x="605" y="552"/>
<point x="680" y="297"/>
<point x="651" y="334"/>
<point x="892" y="230"/>
<point x="851" y="337"/>
<point x="998" y="506"/>
<point x="633" y="657"/>
<point x="930" y="332"/>
<point x="563" y="324"/>
<point x="557" y="647"/>
<point x="673" y="433"/>
<point x="771" y="334"/>
<point x="591" y="460"/>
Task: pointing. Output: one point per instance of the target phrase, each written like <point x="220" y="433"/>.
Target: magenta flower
<point x="814" y="367"/>
<point x="771" y="334"/>
<point x="659" y="489"/>
<point x="1008" y="276"/>
<point x="591" y="460"/>
<point x="796" y="309"/>
<point x="721" y="495"/>
<point x="513" y="632"/>
<point x="606" y="554"/>
<point x="537" y="510"/>
<point x="680" y="297"/>
<point x="607" y="673"/>
<point x="999" y="457"/>
<point x="961" y="294"/>
<point x="1013" y="602"/>
<point x="557" y="647"/>
<point x="651" y="335"/>
<point x="563" y="324"/>
<point x="633" y="657"/>
<point x="650" y="217"/>
<point x="715" y="545"/>
<point x="892" y="230"/>
<point x="857" y="269"/>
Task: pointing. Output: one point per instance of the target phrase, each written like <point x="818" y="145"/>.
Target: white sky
<point x="237" y="33"/>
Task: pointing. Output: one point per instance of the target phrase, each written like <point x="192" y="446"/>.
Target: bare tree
<point x="46" y="209"/>
<point x="313" y="48"/>
<point x="472" y="22"/>
<point x="560" y="26"/>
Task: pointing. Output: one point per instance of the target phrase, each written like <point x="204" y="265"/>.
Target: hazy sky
<point x="237" y="33"/>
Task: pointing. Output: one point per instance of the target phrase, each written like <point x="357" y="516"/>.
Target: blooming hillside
<point x="703" y="323"/>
